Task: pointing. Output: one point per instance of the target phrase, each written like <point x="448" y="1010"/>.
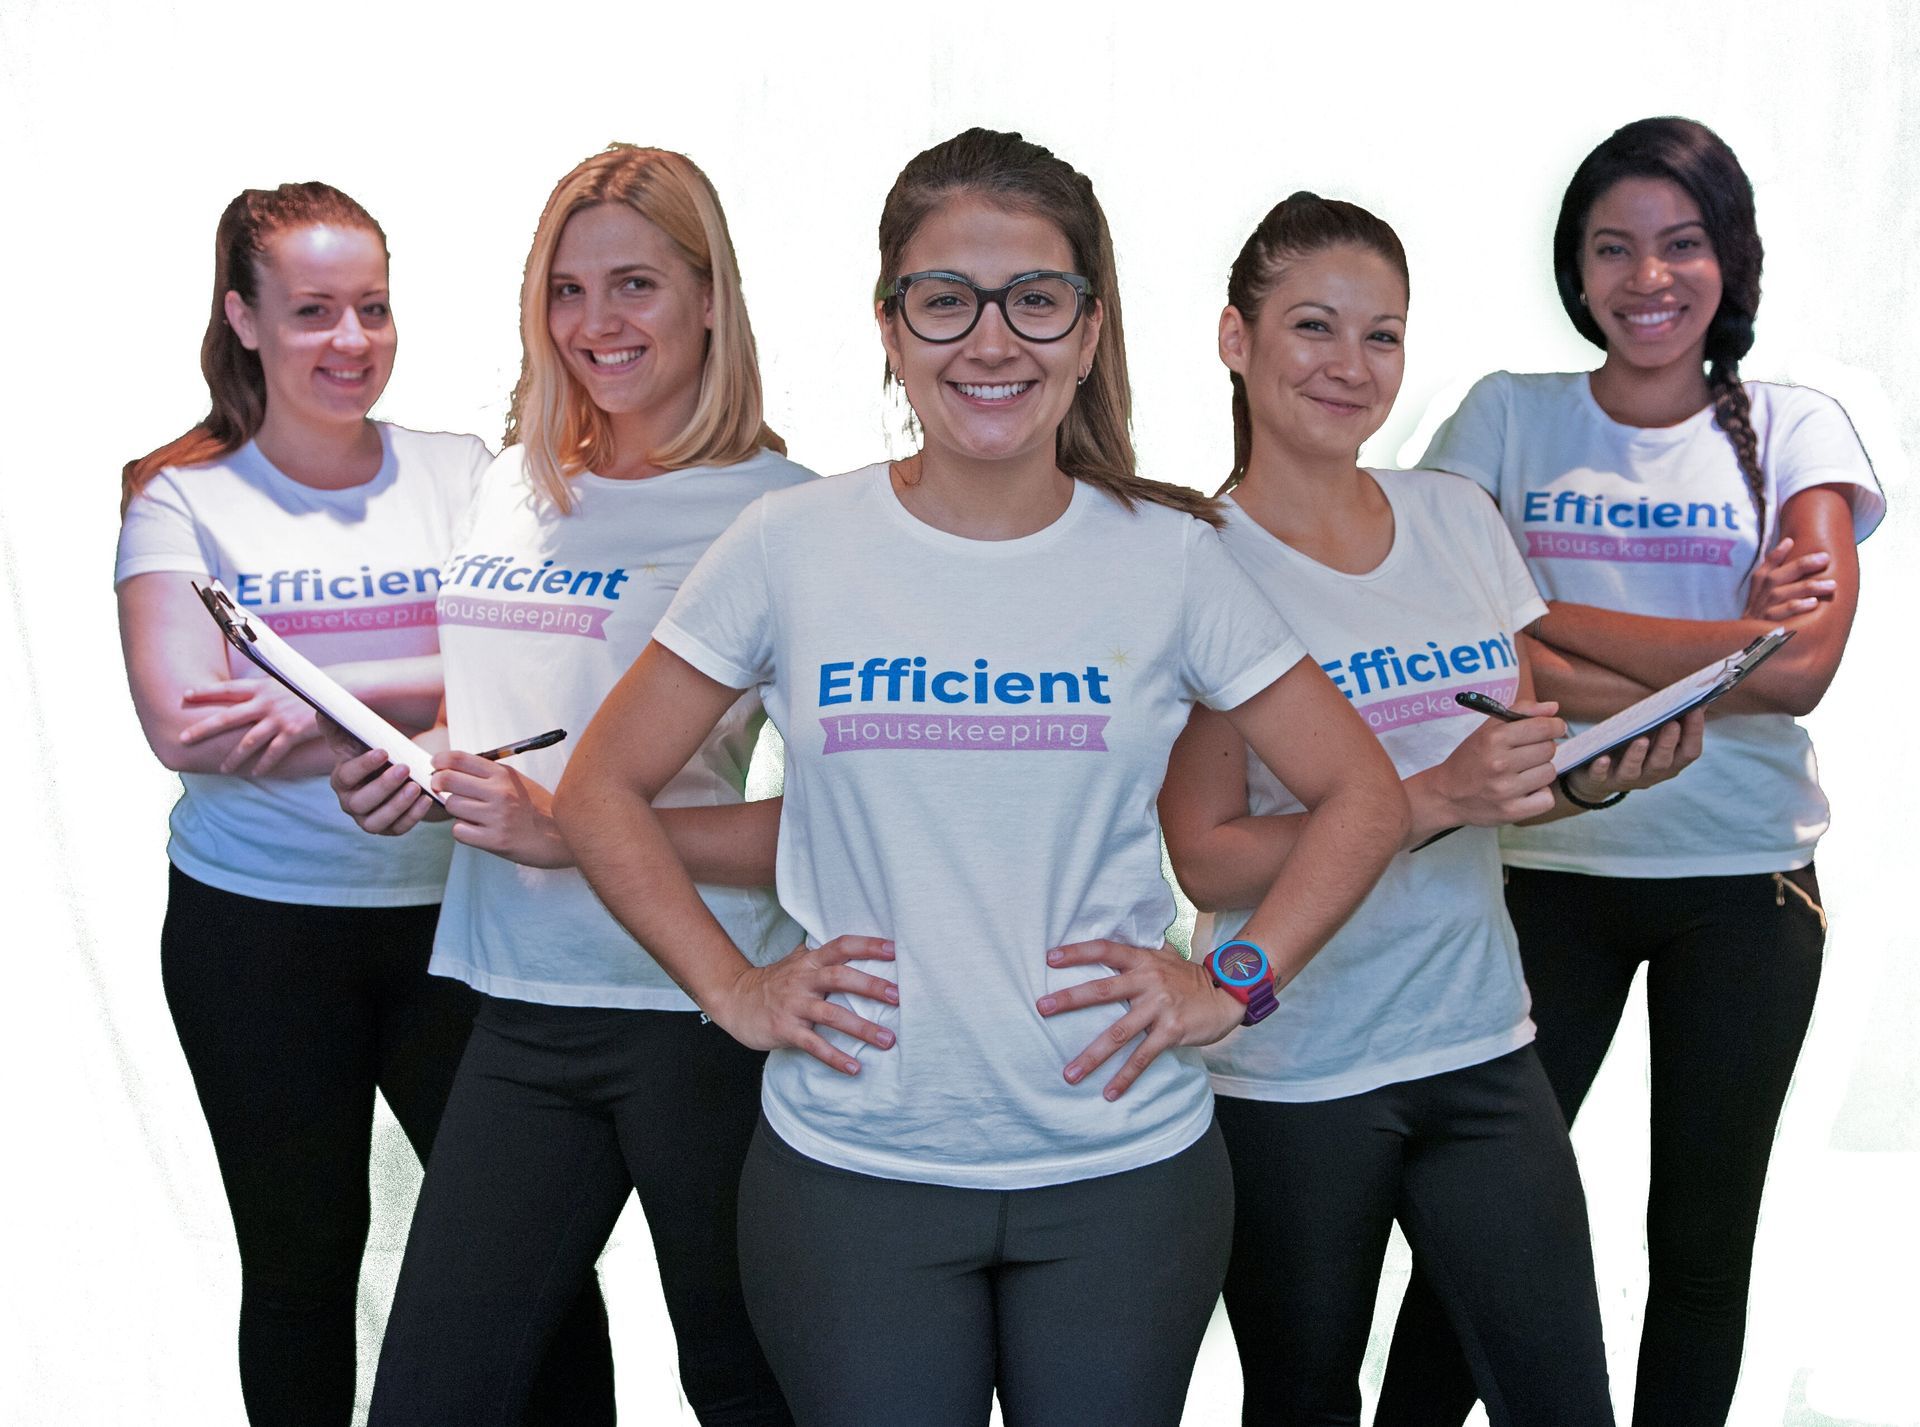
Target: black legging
<point x="559" y="1114"/>
<point x="1476" y="1166"/>
<point x="1732" y="966"/>
<point x="290" y="1016"/>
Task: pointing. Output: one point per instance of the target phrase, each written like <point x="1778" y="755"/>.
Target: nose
<point x="348" y="333"/>
<point x="600" y="318"/>
<point x="991" y="340"/>
<point x="1651" y="274"/>
<point x="1346" y="363"/>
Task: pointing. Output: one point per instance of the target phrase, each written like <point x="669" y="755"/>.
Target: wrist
<point x="1587" y="799"/>
<point x="1242" y="971"/>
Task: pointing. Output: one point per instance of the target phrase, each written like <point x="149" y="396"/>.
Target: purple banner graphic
<point x="1629" y="549"/>
<point x="1003" y="733"/>
<point x="350" y="619"/>
<point x="535" y="617"/>
<point x="1403" y="709"/>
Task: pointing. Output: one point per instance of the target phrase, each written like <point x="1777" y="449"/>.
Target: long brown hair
<point x="563" y="432"/>
<point x="1296" y="227"/>
<point x="1093" y="443"/>
<point x="234" y="376"/>
<point x="1691" y="155"/>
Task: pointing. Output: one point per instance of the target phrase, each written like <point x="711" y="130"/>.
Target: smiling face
<point x="1322" y="361"/>
<point x="630" y="318"/>
<point x="1649" y="273"/>
<point x="993" y="395"/>
<point x="320" y="323"/>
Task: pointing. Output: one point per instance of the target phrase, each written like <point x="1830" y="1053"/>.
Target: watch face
<point x="1240" y="963"/>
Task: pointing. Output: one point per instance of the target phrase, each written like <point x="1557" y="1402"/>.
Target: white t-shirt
<point x="1425" y="976"/>
<point x="342" y="575"/>
<point x="976" y="732"/>
<point x="540" y="615"/>
<point x="1658" y="521"/>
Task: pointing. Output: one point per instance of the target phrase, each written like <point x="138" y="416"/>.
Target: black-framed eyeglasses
<point x="944" y="307"/>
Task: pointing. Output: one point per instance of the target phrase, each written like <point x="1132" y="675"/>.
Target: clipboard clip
<point x="233" y="623"/>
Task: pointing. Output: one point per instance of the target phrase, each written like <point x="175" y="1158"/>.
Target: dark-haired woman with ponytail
<point x="294" y="951"/>
<point x="1403" y="1084"/>
<point x="1670" y="512"/>
<point x="987" y="1159"/>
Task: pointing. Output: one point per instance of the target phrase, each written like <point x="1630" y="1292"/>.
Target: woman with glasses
<point x="294" y="953"/>
<point x="1403" y="1084"/>
<point x="1644" y="494"/>
<point x="987" y="1157"/>
<point x="635" y="438"/>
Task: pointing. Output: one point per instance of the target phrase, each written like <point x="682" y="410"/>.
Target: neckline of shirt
<point x="1388" y="562"/>
<point x="251" y="455"/>
<point x="1642" y="435"/>
<point x="593" y="481"/>
<point x="879" y="479"/>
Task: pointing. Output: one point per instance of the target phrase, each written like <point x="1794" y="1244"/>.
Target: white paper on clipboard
<point x="1663" y="705"/>
<point x="308" y="681"/>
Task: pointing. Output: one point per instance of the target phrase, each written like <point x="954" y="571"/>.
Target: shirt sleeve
<point x="1233" y="642"/>
<point x="159" y="533"/>
<point x="1811" y="442"/>
<point x="721" y="621"/>
<point x="1472" y="441"/>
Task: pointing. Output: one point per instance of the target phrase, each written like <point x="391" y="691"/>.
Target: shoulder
<point x="766" y="470"/>
<point x="453" y="450"/>
<point x="805" y="496"/>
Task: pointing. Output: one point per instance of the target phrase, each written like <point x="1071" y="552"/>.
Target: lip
<point x="350" y="377"/>
<point x="590" y="362"/>
<point x="993" y="396"/>
<point x="1650" y="324"/>
<point x="1338" y="407"/>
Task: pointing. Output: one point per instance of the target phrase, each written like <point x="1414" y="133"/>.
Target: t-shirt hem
<point x="1360" y="1080"/>
<point x="671" y="636"/>
<point x="1728" y="865"/>
<point x="159" y="565"/>
<point x="1136" y="1154"/>
<point x="552" y="993"/>
<point x="307" y="894"/>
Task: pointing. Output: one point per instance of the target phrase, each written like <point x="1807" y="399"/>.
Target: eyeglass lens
<point x="940" y="310"/>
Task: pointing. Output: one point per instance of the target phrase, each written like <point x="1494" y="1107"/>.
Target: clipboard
<point x="1681" y="697"/>
<point x="312" y="685"/>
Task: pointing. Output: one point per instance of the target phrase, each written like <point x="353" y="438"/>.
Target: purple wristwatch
<point x="1241" y="970"/>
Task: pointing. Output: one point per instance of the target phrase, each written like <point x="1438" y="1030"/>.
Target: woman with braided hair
<point x="1669" y="512"/>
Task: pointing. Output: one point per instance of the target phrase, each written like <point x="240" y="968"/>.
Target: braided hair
<point x="1698" y="160"/>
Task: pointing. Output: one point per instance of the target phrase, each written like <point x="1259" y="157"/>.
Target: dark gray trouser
<point x="887" y="1301"/>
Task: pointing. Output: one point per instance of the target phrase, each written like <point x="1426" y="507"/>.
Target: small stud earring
<point x="1583" y="299"/>
<point x="1083" y="377"/>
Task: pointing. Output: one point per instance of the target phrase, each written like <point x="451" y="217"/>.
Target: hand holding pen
<point x="1502" y="772"/>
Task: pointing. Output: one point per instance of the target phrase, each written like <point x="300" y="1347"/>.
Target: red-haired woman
<point x="294" y="951"/>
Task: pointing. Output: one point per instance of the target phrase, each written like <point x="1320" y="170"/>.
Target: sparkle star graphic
<point x="1120" y="658"/>
<point x="652" y="567"/>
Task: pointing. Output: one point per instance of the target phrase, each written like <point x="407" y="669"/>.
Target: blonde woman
<point x="635" y="438"/>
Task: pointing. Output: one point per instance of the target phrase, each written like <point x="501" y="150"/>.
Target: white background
<point x="124" y="127"/>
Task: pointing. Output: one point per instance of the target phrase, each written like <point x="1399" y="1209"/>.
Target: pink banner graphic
<point x="1005" y="733"/>
<point x="1403" y="709"/>
<point x="350" y="619"/>
<point x="1630" y="549"/>
<point x="587" y="621"/>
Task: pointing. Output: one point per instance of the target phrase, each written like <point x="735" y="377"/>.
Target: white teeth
<point x="1652" y="319"/>
<point x="614" y="359"/>
<point x="992" y="393"/>
<point x="340" y="375"/>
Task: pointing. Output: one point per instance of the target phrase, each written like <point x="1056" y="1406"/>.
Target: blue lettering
<point x="833" y="678"/>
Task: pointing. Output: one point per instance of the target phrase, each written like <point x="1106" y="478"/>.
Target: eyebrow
<point x="1671" y="228"/>
<point x="1334" y="311"/>
<point x="621" y="271"/>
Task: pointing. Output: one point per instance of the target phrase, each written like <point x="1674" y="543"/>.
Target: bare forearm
<point x="405" y="692"/>
<point x="1585" y="691"/>
<point x="618" y="842"/>
<point x="1657" y="651"/>
<point x="730" y="846"/>
<point x="1345" y="844"/>
<point x="1233" y="864"/>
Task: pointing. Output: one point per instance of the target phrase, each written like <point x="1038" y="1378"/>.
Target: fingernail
<point x="1045" y="1003"/>
<point x="1074" y="1073"/>
<point x="886" y="946"/>
<point x="893" y="994"/>
<point x="1056" y="956"/>
<point x="1111" y="1093"/>
<point x="885" y="1039"/>
<point x="852" y="1067"/>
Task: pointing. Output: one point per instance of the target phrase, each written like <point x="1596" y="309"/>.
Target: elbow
<point x="1193" y="870"/>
